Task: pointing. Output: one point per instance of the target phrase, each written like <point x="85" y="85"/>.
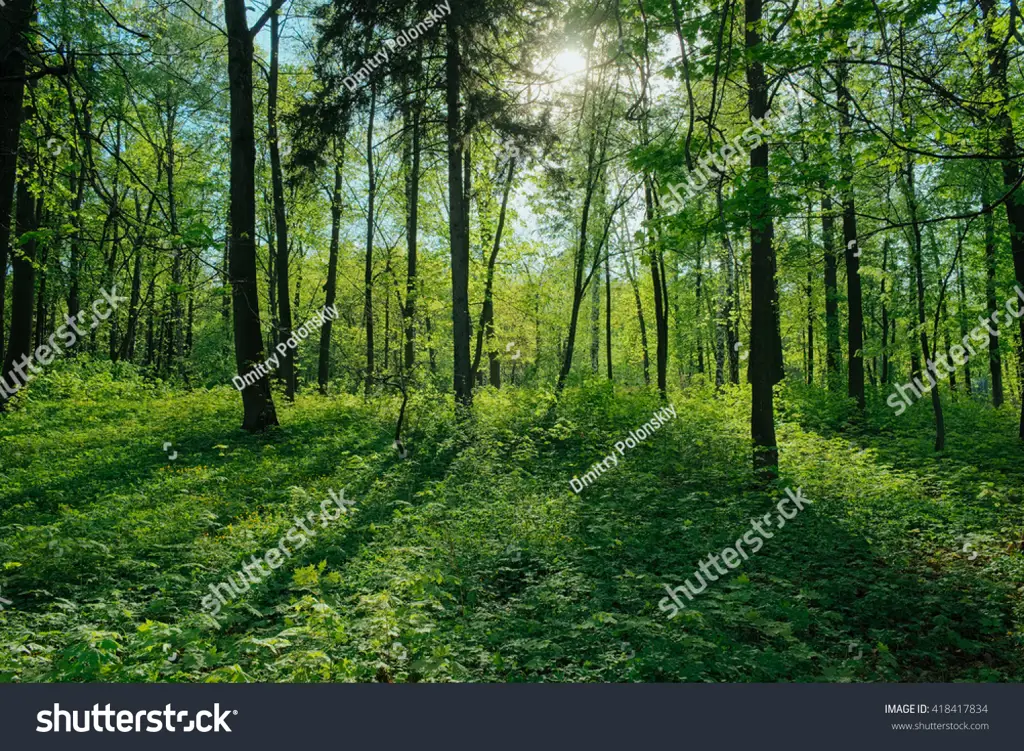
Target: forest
<point x="569" y="341"/>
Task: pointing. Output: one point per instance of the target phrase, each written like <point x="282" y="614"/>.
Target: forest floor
<point x="472" y="559"/>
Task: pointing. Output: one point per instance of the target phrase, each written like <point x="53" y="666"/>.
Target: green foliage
<point x="473" y="560"/>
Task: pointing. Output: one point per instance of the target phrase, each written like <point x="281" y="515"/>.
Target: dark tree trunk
<point x="486" y="329"/>
<point x="916" y="252"/>
<point x="660" y="296"/>
<point x="371" y="182"/>
<point x="412" y="201"/>
<point x="271" y="279"/>
<point x="151" y="320"/>
<point x="1011" y="169"/>
<point x="595" y="322"/>
<point x="284" y="331"/>
<point x="640" y="317"/>
<point x="42" y="254"/>
<point x="995" y="364"/>
<point x="809" y="291"/>
<point x="578" y="268"/>
<point x="174" y="341"/>
<point x="885" y="377"/>
<point x="458" y="227"/>
<point x="833" y="351"/>
<point x="608" y="313"/>
<point x="15" y="19"/>
<point x="331" y="291"/>
<point x="75" y="262"/>
<point x="762" y="371"/>
<point x="257" y="401"/>
<point x="19" y="347"/>
<point x="225" y="307"/>
<point x="854" y="299"/>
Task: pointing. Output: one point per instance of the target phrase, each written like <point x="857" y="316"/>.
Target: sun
<point x="570" y="62"/>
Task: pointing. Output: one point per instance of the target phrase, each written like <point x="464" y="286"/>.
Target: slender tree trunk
<point x="995" y="364"/>
<point x="75" y="262"/>
<point x="331" y="290"/>
<point x="174" y="341"/>
<point x="412" y="201"/>
<point x="809" y="291"/>
<point x="922" y="321"/>
<point x="151" y="320"/>
<point x="41" y="273"/>
<point x="271" y="280"/>
<point x="19" y="347"/>
<point x="225" y="307"/>
<point x="631" y="276"/>
<point x="257" y="401"/>
<point x="284" y="331"/>
<point x="458" y="228"/>
<point x="595" y="322"/>
<point x="885" y="378"/>
<point x="608" y="313"/>
<point x="371" y="182"/>
<point x="833" y="352"/>
<point x="854" y="298"/>
<point x="486" y="328"/>
<point x="660" y="296"/>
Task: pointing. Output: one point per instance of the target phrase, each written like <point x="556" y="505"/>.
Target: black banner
<point x="794" y="716"/>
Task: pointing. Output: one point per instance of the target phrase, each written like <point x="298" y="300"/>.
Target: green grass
<point x="473" y="560"/>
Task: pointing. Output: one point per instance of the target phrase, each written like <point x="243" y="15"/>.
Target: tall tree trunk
<point x="631" y="276"/>
<point x="762" y="370"/>
<point x="271" y="279"/>
<point x="458" y="227"/>
<point x="995" y="364"/>
<point x="412" y="201"/>
<point x="19" y="346"/>
<point x="371" y="182"/>
<point x="257" y="401"/>
<point x="174" y="352"/>
<point x="280" y="215"/>
<point x="225" y="306"/>
<point x="854" y="298"/>
<point x="809" y="291"/>
<point x="41" y="273"/>
<point x="151" y="319"/>
<point x="833" y="351"/>
<point x="922" y="321"/>
<point x="608" y="313"/>
<point x="486" y="328"/>
<point x="128" y="343"/>
<point x="595" y="322"/>
<point x="75" y="262"/>
<point x="660" y="295"/>
<point x="15" y="19"/>
<point x="885" y="377"/>
<point x="331" y="290"/>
